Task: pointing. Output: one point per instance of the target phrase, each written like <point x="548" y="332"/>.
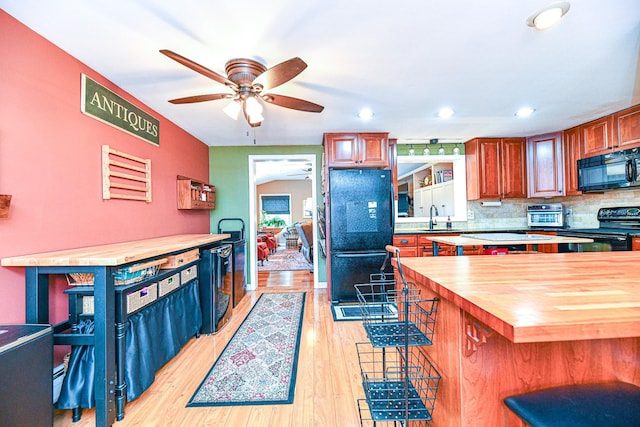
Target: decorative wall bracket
<point x="475" y="335"/>
<point x="125" y="176"/>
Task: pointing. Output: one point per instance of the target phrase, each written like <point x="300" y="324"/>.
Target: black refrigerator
<point x="361" y="225"/>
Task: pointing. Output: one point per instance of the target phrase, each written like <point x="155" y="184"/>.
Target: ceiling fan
<point x="248" y="79"/>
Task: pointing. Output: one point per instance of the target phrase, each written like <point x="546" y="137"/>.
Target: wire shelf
<point x="413" y="320"/>
<point x="396" y="389"/>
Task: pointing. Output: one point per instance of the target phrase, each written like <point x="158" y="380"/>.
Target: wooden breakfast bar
<point x="512" y="324"/>
<point x="489" y="239"/>
<point x="102" y="261"/>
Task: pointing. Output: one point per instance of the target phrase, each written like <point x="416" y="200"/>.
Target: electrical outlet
<point x="470" y="214"/>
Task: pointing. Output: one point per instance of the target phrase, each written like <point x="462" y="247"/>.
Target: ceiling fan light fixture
<point x="548" y="16"/>
<point x="255" y="119"/>
<point x="253" y="107"/>
<point x="233" y="109"/>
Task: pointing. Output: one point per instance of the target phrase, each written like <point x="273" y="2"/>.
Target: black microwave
<point x="609" y="171"/>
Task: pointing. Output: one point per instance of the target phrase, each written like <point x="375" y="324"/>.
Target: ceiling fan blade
<point x="200" y="98"/>
<point x="281" y="73"/>
<point x="199" y="68"/>
<point x="293" y="103"/>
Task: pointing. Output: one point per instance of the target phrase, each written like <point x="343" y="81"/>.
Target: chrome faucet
<point x="432" y="220"/>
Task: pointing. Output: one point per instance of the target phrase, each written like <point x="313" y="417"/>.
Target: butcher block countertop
<point x="115" y="253"/>
<point x="540" y="297"/>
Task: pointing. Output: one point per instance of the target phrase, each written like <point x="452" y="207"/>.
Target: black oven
<point x="602" y="242"/>
<point x="617" y="225"/>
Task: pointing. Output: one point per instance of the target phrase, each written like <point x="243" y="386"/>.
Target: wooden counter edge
<point x="114" y="253"/>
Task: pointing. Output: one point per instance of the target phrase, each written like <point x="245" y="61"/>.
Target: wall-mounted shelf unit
<point x="194" y="194"/>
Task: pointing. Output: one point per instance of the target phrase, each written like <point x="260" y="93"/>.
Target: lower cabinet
<point x="419" y="245"/>
<point x="635" y="244"/>
<point x="547" y="249"/>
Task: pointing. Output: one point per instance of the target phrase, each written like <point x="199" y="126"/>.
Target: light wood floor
<point x="328" y="378"/>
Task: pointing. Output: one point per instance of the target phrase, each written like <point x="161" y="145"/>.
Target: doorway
<point x="283" y="168"/>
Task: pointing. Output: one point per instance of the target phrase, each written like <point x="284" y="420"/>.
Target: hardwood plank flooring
<point x="327" y="385"/>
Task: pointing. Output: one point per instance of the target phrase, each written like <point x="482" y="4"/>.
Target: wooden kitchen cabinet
<point x="545" y="165"/>
<point x="546" y="248"/>
<point x="571" y="146"/>
<point x="597" y="137"/>
<point x="627" y="125"/>
<point x="194" y="194"/>
<point x="348" y="150"/>
<point x="407" y="244"/>
<point x="635" y="244"/>
<point x="496" y="168"/>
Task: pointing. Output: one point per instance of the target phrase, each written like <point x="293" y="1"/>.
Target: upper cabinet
<point x="349" y="150"/>
<point x="627" y="125"/>
<point x="545" y="165"/>
<point x="496" y="168"/>
<point x="597" y="137"/>
<point x="571" y="147"/>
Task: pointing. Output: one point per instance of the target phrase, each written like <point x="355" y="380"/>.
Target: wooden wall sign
<point x="104" y="105"/>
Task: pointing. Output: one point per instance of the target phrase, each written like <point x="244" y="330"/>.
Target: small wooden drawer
<point x="188" y="274"/>
<point x="169" y="284"/>
<point x="178" y="260"/>
<point x="405" y="240"/>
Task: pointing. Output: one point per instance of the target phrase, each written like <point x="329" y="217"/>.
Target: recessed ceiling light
<point x="365" y="114"/>
<point x="445" y="113"/>
<point x="525" y="112"/>
<point x="548" y="16"/>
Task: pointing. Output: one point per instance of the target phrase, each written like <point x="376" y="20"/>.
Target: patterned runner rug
<point x="286" y="259"/>
<point x="258" y="366"/>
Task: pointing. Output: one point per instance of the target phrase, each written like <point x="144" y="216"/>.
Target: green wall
<point x="229" y="172"/>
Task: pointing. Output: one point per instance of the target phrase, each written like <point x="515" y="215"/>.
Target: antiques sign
<point x="104" y="105"/>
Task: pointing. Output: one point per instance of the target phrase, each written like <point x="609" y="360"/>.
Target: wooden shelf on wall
<point x="194" y="194"/>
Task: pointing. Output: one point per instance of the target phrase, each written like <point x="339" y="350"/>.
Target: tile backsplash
<point x="512" y="213"/>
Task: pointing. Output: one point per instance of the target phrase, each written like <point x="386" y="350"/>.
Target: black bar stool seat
<point x="611" y="404"/>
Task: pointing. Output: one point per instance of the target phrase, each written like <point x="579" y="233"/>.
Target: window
<point x="276" y="206"/>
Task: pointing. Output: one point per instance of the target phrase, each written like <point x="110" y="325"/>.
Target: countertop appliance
<point x="216" y="287"/>
<point x="360" y="226"/>
<point x="545" y="215"/>
<point x="235" y="227"/>
<point x="609" y="171"/>
<point x="26" y="389"/>
<point x="617" y="226"/>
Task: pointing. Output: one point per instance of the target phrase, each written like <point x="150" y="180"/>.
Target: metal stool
<point x="611" y="404"/>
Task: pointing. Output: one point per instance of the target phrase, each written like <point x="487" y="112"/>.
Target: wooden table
<point x="509" y="324"/>
<point x="102" y="261"/>
<point x="510" y="239"/>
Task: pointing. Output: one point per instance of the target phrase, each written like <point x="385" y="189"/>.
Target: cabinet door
<point x="597" y="137"/>
<point x="342" y="150"/>
<point x="545" y="165"/>
<point x="627" y="125"/>
<point x="571" y="145"/>
<point x="514" y="167"/>
<point x="635" y="244"/>
<point x="373" y="150"/>
<point x="443" y="198"/>
<point x="489" y="168"/>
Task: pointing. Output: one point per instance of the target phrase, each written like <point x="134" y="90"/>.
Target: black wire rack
<point x="399" y="381"/>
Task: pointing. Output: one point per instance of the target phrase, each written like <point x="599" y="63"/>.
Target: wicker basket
<point x="123" y="276"/>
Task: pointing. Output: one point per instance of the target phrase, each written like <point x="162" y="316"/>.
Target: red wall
<point x="50" y="162"/>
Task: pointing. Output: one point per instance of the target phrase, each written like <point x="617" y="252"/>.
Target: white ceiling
<point x="403" y="59"/>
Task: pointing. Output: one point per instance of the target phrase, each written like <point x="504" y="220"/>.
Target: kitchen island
<point x="102" y="261"/>
<point x="497" y="239"/>
<point x="510" y="324"/>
